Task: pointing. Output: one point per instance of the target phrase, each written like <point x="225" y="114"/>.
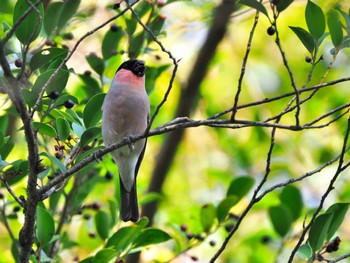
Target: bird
<point x="125" y="112"/>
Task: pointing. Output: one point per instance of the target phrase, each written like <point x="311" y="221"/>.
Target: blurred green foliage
<point x="216" y="171"/>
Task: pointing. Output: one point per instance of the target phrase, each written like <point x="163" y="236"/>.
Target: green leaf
<point x="256" y="5"/>
<point x="315" y="20"/>
<point x="123" y="238"/>
<point x="150" y="197"/>
<point x="91" y="85"/>
<point x="17" y="171"/>
<point x="102" y="223"/>
<point x="46" y="56"/>
<point x="281" y="219"/>
<point x="305" y="38"/>
<point x="105" y="255"/>
<point x="143" y="222"/>
<point x="52" y="15"/>
<point x="92" y="112"/>
<point x="225" y="206"/>
<point x="29" y="29"/>
<point x="1" y="138"/>
<point x="69" y="8"/>
<point x="131" y="25"/>
<point x="142" y="8"/>
<point x="63" y="128"/>
<point x="57" y="162"/>
<point x="335" y="27"/>
<point x="156" y="26"/>
<point x="58" y="83"/>
<point x="339" y="211"/>
<point x="113" y="210"/>
<point x="152" y="74"/>
<point x="61" y="99"/>
<point x="151" y="236"/>
<point x="291" y="197"/>
<point x="283" y="4"/>
<point x="136" y="44"/>
<point x="45" y="129"/>
<point x="207" y="216"/>
<point x="96" y="63"/>
<point x="240" y="186"/>
<point x="45" y="226"/>
<point x="318" y="231"/>
<point x="89" y="135"/>
<point x="111" y="42"/>
<point x="305" y="252"/>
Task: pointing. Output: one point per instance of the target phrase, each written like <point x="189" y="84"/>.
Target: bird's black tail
<point x="129" y="210"/>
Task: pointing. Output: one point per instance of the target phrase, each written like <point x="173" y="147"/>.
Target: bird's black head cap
<point x="135" y="66"/>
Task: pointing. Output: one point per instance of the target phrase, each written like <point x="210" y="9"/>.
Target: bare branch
<point x="252" y="201"/>
<point x="174" y="61"/>
<point x="244" y="64"/>
<point x="324" y="196"/>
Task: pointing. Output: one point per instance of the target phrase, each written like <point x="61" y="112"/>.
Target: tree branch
<point x="324" y="196"/>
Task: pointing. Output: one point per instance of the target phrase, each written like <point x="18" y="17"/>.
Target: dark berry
<point x="308" y="59"/>
<point x="69" y="104"/>
<point x="68" y="36"/>
<point x="194" y="258"/>
<point x="275" y="2"/>
<point x="212" y="243"/>
<point x="109" y="176"/>
<point x="87" y="216"/>
<point x="76" y="258"/>
<point x="18" y="63"/>
<point x="16" y="209"/>
<point x="59" y="155"/>
<point x="116" y="6"/>
<point x="80" y="211"/>
<point x="54" y="95"/>
<point x="189" y="235"/>
<point x="271" y="30"/>
<point x="333" y="245"/>
<point x="95" y="206"/>
<point x="157" y="57"/>
<point x="65" y="47"/>
<point x="87" y="73"/>
<point x="199" y="237"/>
<point x="266" y="239"/>
<point x="92" y="234"/>
<point x="183" y="227"/>
<point x="1" y="196"/>
<point x="114" y="28"/>
<point x="48" y="42"/>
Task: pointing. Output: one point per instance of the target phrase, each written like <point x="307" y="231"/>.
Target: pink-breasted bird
<point x="125" y="112"/>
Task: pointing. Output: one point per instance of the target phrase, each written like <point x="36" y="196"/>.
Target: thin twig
<point x="252" y="201"/>
<point x="340" y="258"/>
<point x="174" y="61"/>
<point x="70" y="53"/>
<point x="244" y="64"/>
<point x="324" y="196"/>
<point x="9" y="189"/>
<point x="279" y="97"/>
<point x="19" y="22"/>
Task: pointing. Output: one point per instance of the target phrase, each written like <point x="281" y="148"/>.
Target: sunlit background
<point x="209" y="158"/>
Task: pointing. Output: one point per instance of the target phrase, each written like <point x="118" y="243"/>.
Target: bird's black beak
<point x="139" y="68"/>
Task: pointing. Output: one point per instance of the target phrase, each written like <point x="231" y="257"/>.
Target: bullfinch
<point x="125" y="112"/>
